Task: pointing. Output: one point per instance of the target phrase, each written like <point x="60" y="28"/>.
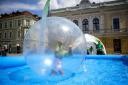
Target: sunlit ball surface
<point x="41" y="41"/>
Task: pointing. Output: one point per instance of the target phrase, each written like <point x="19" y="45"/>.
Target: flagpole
<point x="44" y="23"/>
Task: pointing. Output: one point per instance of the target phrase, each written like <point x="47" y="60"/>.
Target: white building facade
<point x="105" y="20"/>
<point x="13" y="28"/>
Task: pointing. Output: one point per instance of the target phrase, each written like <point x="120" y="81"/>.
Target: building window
<point x="0" y="35"/>
<point x="5" y="35"/>
<point x="10" y="35"/>
<point x="10" y="24"/>
<point x="0" y="25"/>
<point x="15" y="23"/>
<point x="19" y="22"/>
<point x="27" y="22"/>
<point x="75" y="21"/>
<point x="116" y="24"/>
<point x="85" y="25"/>
<point x="96" y="25"/>
<point x="18" y="34"/>
<point x="5" y="24"/>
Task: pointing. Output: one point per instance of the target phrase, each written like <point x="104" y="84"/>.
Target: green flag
<point x="46" y="9"/>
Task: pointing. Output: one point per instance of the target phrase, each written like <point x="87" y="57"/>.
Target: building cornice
<point x="103" y="5"/>
<point x="91" y="10"/>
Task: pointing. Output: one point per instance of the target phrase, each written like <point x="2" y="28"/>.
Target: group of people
<point x="60" y="52"/>
<point x="99" y="49"/>
<point x="5" y="49"/>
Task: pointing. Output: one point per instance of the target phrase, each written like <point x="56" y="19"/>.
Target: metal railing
<point x="107" y="31"/>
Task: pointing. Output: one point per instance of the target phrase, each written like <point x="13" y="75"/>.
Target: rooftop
<point x="18" y="13"/>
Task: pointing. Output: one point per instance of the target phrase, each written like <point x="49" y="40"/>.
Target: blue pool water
<point x="96" y="70"/>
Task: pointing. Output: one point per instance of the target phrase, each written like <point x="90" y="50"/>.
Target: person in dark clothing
<point x="70" y="50"/>
<point x="91" y="50"/>
<point x="0" y="51"/>
<point x="87" y="51"/>
<point x="99" y="48"/>
<point x="3" y="51"/>
<point x="18" y="49"/>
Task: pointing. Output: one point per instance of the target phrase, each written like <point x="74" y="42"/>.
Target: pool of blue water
<point x="95" y="70"/>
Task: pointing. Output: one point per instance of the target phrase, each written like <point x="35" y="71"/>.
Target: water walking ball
<point x="55" y="38"/>
<point x="92" y="41"/>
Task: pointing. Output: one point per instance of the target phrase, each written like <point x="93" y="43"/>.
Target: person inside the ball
<point x="60" y="52"/>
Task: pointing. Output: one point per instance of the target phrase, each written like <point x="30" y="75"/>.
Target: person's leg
<point x="0" y="53"/>
<point x="59" y="67"/>
<point x="53" y="72"/>
<point x="61" y="72"/>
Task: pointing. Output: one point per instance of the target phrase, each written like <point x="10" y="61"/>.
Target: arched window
<point x="75" y="21"/>
<point x="85" y="25"/>
<point x="96" y="25"/>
